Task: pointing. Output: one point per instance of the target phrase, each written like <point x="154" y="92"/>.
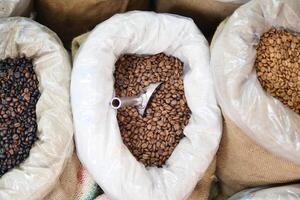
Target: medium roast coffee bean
<point x="152" y="138"/>
<point x="278" y="66"/>
<point x="19" y="94"/>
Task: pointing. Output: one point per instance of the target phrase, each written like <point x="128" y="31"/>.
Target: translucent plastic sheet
<point x="10" y="8"/>
<point x="259" y="115"/>
<point x="234" y="1"/>
<point x="290" y="192"/>
<point x="98" y="141"/>
<point x="37" y="175"/>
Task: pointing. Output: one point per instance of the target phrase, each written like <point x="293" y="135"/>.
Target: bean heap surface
<point x="18" y="96"/>
<point x="278" y="66"/>
<point x="152" y="138"/>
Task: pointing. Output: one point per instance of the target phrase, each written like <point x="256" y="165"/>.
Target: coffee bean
<point x="17" y="109"/>
<point x="278" y="66"/>
<point x="152" y="138"/>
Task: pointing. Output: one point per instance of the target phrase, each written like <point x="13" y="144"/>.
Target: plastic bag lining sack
<point x="263" y="118"/>
<point x="289" y="192"/>
<point x="234" y="1"/>
<point x="36" y="176"/>
<point x="97" y="135"/>
<point x="10" y="8"/>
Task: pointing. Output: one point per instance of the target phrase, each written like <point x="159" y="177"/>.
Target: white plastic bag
<point x="234" y="1"/>
<point x="9" y="8"/>
<point x="262" y="117"/>
<point x="36" y="176"/>
<point x="289" y="192"/>
<point x="102" y="197"/>
<point x="98" y="141"/>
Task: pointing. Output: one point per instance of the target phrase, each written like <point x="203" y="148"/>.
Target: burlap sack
<point x="75" y="183"/>
<point x="138" y="5"/>
<point x="207" y="14"/>
<point x="66" y="186"/>
<point x="203" y="188"/>
<point x="74" y="17"/>
<point x="242" y="163"/>
<point x="37" y="175"/>
<point x="147" y="183"/>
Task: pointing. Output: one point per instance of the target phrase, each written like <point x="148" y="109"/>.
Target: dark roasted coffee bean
<point x="18" y="98"/>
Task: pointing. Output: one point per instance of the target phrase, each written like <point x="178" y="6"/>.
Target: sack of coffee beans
<point x="255" y="62"/>
<point x="15" y="8"/>
<point x="73" y="17"/>
<point x="287" y="192"/>
<point x="35" y="122"/>
<point x="121" y="57"/>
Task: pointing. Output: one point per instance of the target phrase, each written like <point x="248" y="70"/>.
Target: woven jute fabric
<point x="74" y="17"/>
<point x="207" y="14"/>
<point x="66" y="186"/>
<point x="75" y="183"/>
<point x="241" y="163"/>
<point x="203" y="188"/>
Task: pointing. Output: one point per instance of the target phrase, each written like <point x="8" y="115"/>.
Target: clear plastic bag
<point x="234" y="1"/>
<point x="10" y="8"/>
<point x="289" y="192"/>
<point x="262" y="117"/>
<point x="37" y="175"/>
<point x="98" y="140"/>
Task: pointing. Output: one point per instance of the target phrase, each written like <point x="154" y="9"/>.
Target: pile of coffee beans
<point x="278" y="66"/>
<point x="153" y="137"/>
<point x="19" y="94"/>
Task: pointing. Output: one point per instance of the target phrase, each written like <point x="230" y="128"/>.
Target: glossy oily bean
<point x="19" y="94"/>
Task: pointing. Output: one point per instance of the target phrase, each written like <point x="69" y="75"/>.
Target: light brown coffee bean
<point x="279" y="75"/>
<point x="152" y="138"/>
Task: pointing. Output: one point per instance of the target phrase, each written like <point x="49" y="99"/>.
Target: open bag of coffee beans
<point x="35" y="122"/>
<point x="255" y="62"/>
<point x="286" y="192"/>
<point x="160" y="153"/>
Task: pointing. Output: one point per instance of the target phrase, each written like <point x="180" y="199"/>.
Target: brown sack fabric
<point x="203" y="188"/>
<point x="74" y="17"/>
<point x="75" y="183"/>
<point x="207" y="14"/>
<point x="65" y="188"/>
<point x="242" y="163"/>
<point x="138" y="5"/>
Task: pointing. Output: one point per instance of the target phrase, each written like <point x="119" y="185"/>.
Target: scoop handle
<point x="119" y="102"/>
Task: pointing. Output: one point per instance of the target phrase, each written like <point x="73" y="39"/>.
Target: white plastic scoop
<point x="140" y="101"/>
